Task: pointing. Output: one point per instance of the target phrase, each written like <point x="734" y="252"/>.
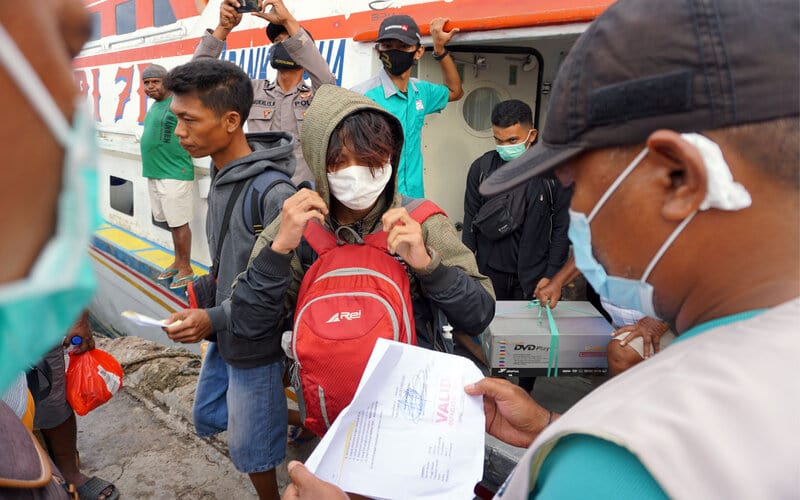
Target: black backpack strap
<point x="254" y="197"/>
<point x="226" y="219"/>
<point x="485" y="165"/>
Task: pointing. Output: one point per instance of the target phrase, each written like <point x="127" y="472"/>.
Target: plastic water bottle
<point x="74" y="342"/>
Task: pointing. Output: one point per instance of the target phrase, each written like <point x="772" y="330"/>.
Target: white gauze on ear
<point x="723" y="192"/>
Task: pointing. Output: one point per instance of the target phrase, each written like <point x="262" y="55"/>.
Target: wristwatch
<point x="441" y="56"/>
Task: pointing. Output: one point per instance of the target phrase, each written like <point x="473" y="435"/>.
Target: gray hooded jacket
<point x="451" y="283"/>
<point x="270" y="150"/>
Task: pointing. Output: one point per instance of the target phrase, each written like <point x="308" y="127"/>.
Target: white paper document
<point x="141" y="319"/>
<point x="411" y="430"/>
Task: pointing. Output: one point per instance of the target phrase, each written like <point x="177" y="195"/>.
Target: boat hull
<point x="126" y="267"/>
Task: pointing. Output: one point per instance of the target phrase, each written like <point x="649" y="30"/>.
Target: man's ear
<point x="684" y="173"/>
<point x="232" y="121"/>
<point x="418" y="54"/>
<point x="532" y="138"/>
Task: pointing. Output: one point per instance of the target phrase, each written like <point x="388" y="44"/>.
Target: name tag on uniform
<point x="420" y="106"/>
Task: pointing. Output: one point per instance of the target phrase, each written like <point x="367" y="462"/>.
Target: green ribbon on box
<point x="552" y="361"/>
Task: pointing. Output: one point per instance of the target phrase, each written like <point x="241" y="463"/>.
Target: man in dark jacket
<point x="538" y="247"/>
<point x="241" y="378"/>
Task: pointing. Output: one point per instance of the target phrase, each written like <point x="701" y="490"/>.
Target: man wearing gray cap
<point x="170" y="175"/>
<point x="680" y="130"/>
<point x="684" y="156"/>
<point x="282" y="104"/>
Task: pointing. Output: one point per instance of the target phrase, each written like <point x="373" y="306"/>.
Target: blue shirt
<point x="410" y="108"/>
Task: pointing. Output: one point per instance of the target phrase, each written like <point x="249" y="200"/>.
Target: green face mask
<point x="513" y="151"/>
<point x="38" y="310"/>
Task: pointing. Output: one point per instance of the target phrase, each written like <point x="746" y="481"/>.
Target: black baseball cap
<point x="400" y="27"/>
<point x="687" y="66"/>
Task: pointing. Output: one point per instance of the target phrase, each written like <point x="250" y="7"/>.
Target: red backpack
<point x="352" y="295"/>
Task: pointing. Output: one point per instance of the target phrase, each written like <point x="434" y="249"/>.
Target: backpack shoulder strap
<point x="418" y="208"/>
<point x="318" y="237"/>
<point x="485" y="165"/>
<point x="421" y="209"/>
<point x="226" y="218"/>
<point x="254" y="197"/>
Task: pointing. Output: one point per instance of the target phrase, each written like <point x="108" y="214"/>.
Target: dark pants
<point x="506" y="285"/>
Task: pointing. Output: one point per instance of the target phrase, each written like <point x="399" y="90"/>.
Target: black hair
<point x="370" y="135"/>
<point x="220" y="85"/>
<point x="509" y="113"/>
<point x="273" y="30"/>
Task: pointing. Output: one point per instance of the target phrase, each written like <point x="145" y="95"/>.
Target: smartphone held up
<point x="248" y="6"/>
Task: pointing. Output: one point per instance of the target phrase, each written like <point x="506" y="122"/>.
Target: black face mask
<point x="279" y="58"/>
<point x="396" y="61"/>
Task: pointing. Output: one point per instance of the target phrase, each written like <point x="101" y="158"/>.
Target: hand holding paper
<point x="142" y="320"/>
<point x="411" y="430"/>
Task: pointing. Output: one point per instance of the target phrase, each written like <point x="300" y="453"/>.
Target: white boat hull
<point x="127" y="283"/>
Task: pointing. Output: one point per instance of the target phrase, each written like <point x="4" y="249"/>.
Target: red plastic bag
<point x="92" y="378"/>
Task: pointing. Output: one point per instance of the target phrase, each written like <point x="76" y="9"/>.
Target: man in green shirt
<point x="170" y="175"/>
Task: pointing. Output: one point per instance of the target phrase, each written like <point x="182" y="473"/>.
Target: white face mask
<point x="356" y="187"/>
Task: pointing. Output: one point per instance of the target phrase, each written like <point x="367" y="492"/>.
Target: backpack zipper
<point x="392" y="315"/>
<point x="353" y="271"/>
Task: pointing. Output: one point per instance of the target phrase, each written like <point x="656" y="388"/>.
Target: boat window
<point x="96" y="33"/>
<point x="126" y="17"/>
<point x="478" y="107"/>
<point x="121" y="195"/>
<point x="162" y="13"/>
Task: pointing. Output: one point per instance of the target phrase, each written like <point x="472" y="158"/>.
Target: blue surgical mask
<point x="513" y="151"/>
<point x="722" y="193"/>
<point x="38" y="310"/>
<point x="622" y="292"/>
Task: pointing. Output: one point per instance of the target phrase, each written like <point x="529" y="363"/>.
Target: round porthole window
<point x="478" y="107"/>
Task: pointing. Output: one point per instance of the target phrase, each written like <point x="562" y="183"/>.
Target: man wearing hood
<point x="240" y="378"/>
<point x="442" y="271"/>
<point x="282" y="104"/>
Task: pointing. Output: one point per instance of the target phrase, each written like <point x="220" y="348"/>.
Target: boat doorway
<point x="452" y="140"/>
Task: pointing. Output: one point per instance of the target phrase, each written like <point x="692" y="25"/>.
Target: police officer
<point x="282" y="104"/>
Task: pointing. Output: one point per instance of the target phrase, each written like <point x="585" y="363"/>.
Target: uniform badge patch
<point x="420" y="106"/>
<point x="306" y="95"/>
<point x="267" y="114"/>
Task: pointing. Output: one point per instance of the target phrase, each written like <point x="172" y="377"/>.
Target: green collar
<point x="714" y="323"/>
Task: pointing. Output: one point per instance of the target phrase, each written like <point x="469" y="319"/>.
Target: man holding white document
<point x="407" y="391"/>
<point x="679" y="129"/>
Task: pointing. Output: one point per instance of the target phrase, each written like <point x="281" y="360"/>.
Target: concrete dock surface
<point x="143" y="440"/>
